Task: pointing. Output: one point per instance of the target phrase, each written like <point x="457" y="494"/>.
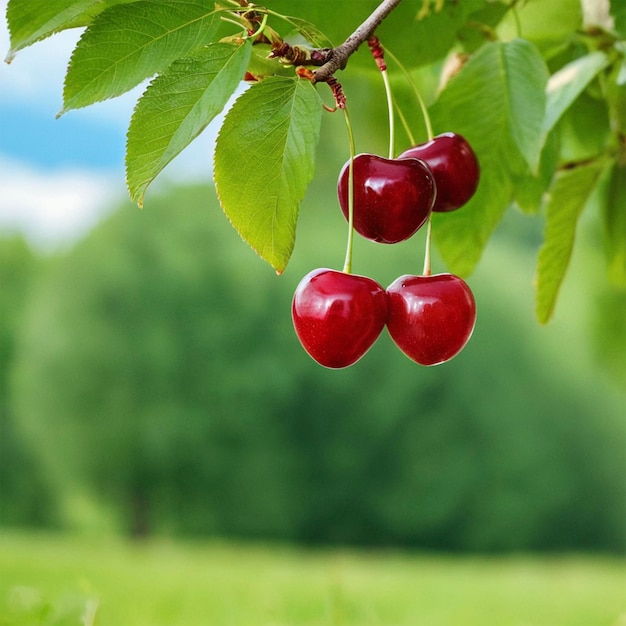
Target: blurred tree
<point x="159" y="373"/>
<point x="25" y="496"/>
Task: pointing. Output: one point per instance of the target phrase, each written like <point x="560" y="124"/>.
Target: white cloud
<point x="54" y="208"/>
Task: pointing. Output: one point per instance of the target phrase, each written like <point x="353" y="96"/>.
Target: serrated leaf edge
<point x="133" y="194"/>
<point x="87" y="33"/>
<point x="278" y="268"/>
<point x="594" y="171"/>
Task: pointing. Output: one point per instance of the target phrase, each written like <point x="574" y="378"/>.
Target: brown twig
<point x="338" y="57"/>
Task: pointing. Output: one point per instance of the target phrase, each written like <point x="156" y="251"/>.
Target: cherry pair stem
<point x="429" y="130"/>
<point x="377" y="51"/>
<point x="347" y="266"/>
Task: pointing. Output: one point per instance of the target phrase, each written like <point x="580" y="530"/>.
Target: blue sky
<point x="32" y="135"/>
<point x="58" y="176"/>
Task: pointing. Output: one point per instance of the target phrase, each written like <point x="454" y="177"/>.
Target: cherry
<point x="454" y="166"/>
<point x="338" y="316"/>
<point x="392" y="197"/>
<point x="430" y="318"/>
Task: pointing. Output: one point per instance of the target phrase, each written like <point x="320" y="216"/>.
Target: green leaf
<point x="261" y="65"/>
<point x="547" y="23"/>
<point x="616" y="97"/>
<point x="530" y="187"/>
<point x="496" y="103"/>
<point x="525" y="76"/>
<point x="177" y="107"/>
<point x="462" y="235"/>
<point x="131" y="42"/>
<point x="621" y="71"/>
<point x="584" y="129"/>
<point x="614" y="214"/>
<point x="264" y="161"/>
<point x="479" y="26"/>
<point x="309" y="31"/>
<point x="33" y="20"/>
<point x="567" y="199"/>
<point x="421" y="47"/>
<point x="618" y="12"/>
<point x="567" y="84"/>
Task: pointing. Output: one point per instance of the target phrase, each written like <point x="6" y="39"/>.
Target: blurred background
<point x="151" y="383"/>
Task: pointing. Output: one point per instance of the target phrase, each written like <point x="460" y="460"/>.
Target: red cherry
<point x="338" y="316"/>
<point x="392" y="197"/>
<point x="430" y="318"/>
<point x="454" y="166"/>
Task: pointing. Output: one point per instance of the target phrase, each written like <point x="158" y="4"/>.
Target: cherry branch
<point x="338" y="57"/>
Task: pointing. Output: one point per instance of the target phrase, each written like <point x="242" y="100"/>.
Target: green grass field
<point x="64" y="581"/>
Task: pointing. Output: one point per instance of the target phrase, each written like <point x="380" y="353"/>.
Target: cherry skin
<point x="430" y="318"/>
<point x="454" y="166"/>
<point x="338" y="316"/>
<point x="392" y="197"/>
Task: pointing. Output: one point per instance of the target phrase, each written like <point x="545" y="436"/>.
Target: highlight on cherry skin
<point x="430" y="318"/>
<point x="338" y="316"/>
<point x="393" y="198"/>
<point x="454" y="166"/>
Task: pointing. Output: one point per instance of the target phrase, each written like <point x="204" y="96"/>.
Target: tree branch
<point x="338" y="57"/>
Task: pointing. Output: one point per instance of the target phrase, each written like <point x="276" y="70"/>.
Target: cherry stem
<point x="418" y="95"/>
<point x="347" y="266"/>
<point x="338" y="57"/>
<point x="405" y="124"/>
<point x="378" y="53"/>
<point x="390" y="109"/>
<point x="427" y="270"/>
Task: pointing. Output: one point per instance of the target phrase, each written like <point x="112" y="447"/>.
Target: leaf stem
<point x="347" y="266"/>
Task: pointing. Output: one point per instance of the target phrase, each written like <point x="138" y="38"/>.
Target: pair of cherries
<point x="393" y="198"/>
<point x="338" y="316"/>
